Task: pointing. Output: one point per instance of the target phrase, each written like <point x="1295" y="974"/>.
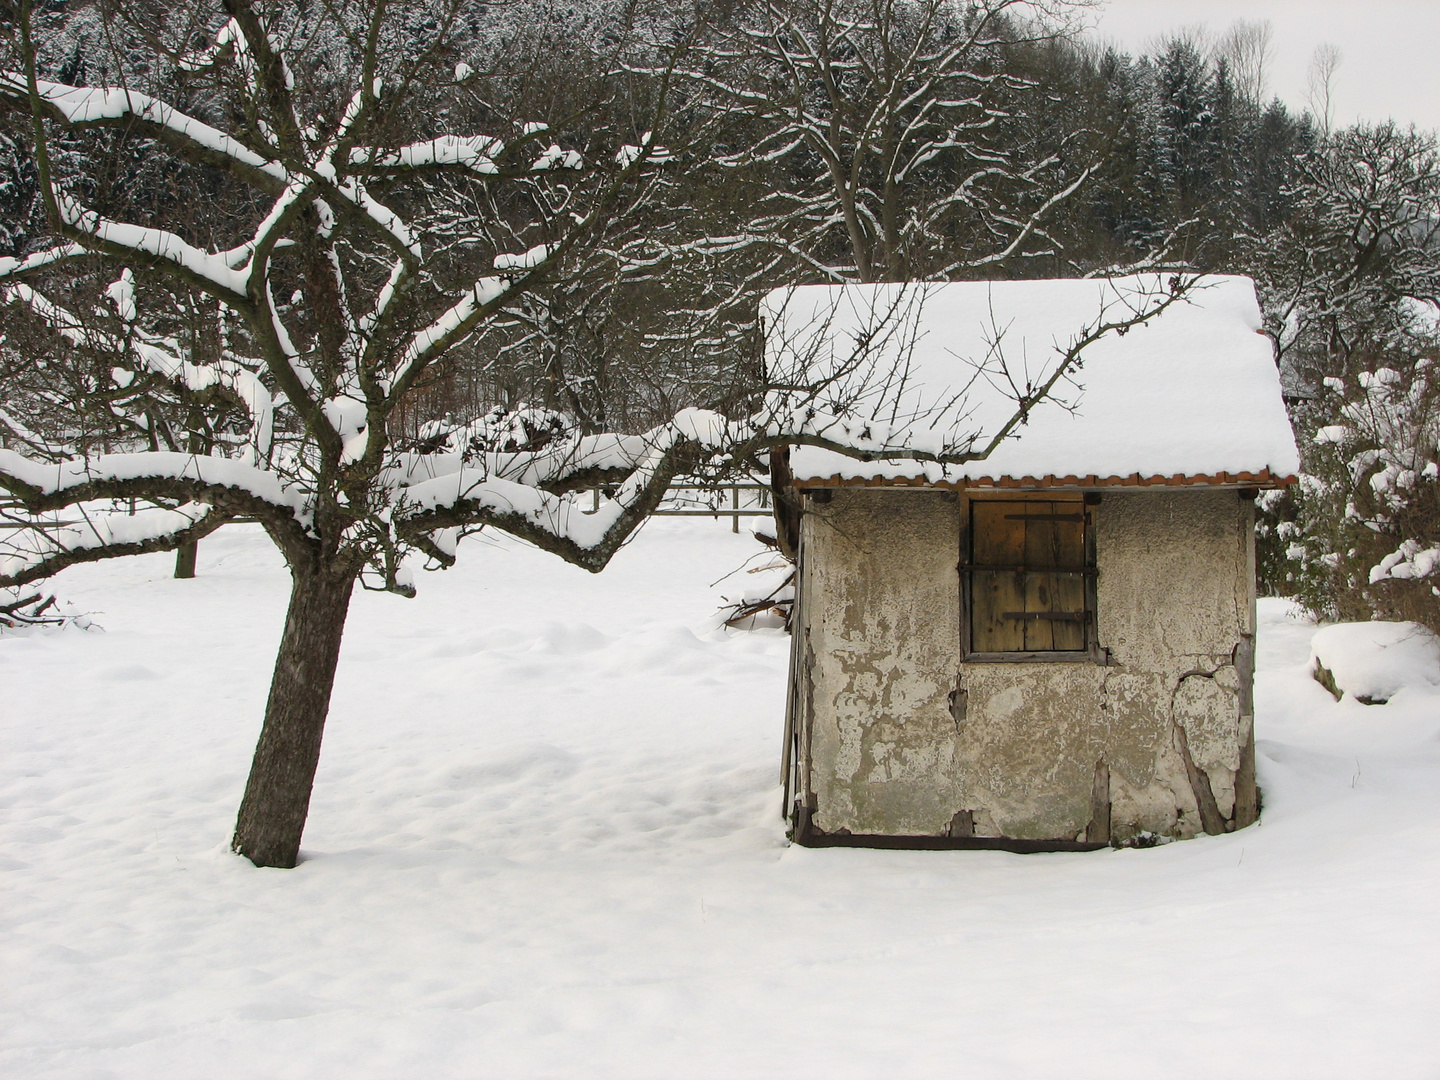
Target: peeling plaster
<point x="905" y="740"/>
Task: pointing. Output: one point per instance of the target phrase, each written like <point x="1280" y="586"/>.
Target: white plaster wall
<point x="879" y="631"/>
<point x="881" y="612"/>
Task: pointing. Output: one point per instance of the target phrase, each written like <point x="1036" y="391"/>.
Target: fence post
<point x="735" y="504"/>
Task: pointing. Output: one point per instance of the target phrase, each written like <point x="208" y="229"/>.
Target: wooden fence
<point x="714" y="501"/>
<point x="683" y="500"/>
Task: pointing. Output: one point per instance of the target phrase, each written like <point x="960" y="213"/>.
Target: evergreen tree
<point x="1186" y="91"/>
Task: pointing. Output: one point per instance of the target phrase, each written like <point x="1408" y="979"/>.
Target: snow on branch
<point x="567" y="463"/>
<point x="477" y="153"/>
<point x="527" y="260"/>
<point x="16" y="268"/>
<point x="209" y="270"/>
<point x="561" y="523"/>
<point x="21" y="609"/>
<point x="156" y="474"/>
<point x="453" y="325"/>
<point x="79" y="107"/>
<point x="40" y="550"/>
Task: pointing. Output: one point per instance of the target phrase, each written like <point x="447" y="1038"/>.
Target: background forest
<point x="803" y="141"/>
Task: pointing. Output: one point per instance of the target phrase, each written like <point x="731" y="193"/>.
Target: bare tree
<point x="1320" y="84"/>
<point x="1357" y="266"/>
<point x="336" y="294"/>
<point x="1249" y="48"/>
<point x="331" y="312"/>
<point x="895" y="130"/>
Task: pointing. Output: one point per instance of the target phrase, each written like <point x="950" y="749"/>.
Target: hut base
<point x="805" y="833"/>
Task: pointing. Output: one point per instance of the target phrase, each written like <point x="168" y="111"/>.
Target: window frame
<point x="1089" y="504"/>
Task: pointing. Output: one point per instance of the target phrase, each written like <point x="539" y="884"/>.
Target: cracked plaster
<point x="888" y="751"/>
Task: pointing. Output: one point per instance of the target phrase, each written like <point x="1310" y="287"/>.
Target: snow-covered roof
<point x="1190" y="397"/>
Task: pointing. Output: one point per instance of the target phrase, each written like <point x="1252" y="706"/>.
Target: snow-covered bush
<point x="1277" y="551"/>
<point x="1349" y="285"/>
<point x="1367" y="542"/>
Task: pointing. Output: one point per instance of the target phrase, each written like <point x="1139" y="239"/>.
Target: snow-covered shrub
<point x="1277" y="532"/>
<point x="1367" y="542"/>
<point x="1348" y="284"/>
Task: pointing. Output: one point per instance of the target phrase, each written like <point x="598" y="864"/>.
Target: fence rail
<point x="39" y="524"/>
<point x="727" y="500"/>
<point x="708" y="500"/>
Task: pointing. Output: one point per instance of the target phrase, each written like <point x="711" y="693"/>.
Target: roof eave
<point x="1262" y="479"/>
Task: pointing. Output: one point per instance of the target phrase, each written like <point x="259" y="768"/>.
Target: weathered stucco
<point x="899" y="737"/>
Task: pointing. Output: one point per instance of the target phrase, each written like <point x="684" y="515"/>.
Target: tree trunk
<point x="185" y="556"/>
<point x="277" y="795"/>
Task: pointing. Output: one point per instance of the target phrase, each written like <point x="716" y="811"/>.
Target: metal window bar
<point x="1087" y="574"/>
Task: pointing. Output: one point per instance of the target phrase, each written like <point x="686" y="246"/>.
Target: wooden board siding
<point x="1055" y="540"/>
<point x="996" y="541"/>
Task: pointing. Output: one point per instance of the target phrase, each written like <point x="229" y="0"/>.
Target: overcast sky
<point x="1390" y="48"/>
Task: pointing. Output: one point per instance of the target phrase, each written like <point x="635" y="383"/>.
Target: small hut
<point x="1051" y="648"/>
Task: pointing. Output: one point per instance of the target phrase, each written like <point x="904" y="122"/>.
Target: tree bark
<point x="185" y="556"/>
<point x="277" y="795"/>
<point x="787" y="504"/>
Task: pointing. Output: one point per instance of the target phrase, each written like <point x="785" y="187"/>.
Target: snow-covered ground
<point x="545" y="843"/>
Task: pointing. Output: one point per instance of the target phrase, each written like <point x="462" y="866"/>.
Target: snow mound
<point x="1373" y="661"/>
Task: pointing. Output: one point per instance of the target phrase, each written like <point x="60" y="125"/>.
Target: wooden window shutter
<point x="1027" y="576"/>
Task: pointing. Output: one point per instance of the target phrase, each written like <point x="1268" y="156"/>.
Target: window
<point x="1029" y="579"/>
